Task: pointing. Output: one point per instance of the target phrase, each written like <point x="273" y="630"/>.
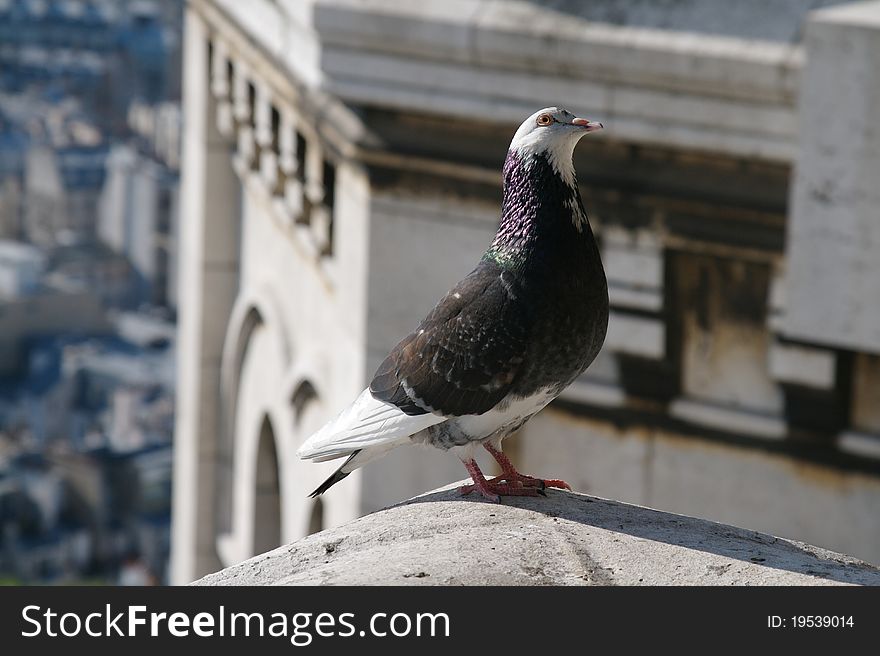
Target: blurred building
<point x="30" y="309"/>
<point x="84" y="515"/>
<point x="341" y="169"/>
<point x="62" y="188"/>
<point x="108" y="52"/>
<point x="21" y="268"/>
<point x="61" y="41"/>
<point x="85" y="454"/>
<point x="89" y="139"/>
<point x="136" y="214"/>
<point x="13" y="148"/>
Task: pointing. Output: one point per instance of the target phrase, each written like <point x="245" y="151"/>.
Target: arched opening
<point x="303" y="396"/>
<point x="267" y="500"/>
<point x="256" y="353"/>
<point x="230" y="391"/>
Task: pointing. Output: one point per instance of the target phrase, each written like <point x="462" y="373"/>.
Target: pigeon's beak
<point x="589" y="126"/>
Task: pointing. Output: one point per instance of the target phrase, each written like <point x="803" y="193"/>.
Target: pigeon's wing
<point x="461" y="360"/>
<point x="465" y="355"/>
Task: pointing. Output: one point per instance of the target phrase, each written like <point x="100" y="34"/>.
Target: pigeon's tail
<point x="337" y="476"/>
<point x="368" y="424"/>
<point x="365" y="430"/>
<point x="356" y="460"/>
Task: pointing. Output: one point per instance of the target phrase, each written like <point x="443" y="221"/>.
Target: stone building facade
<point x="341" y="169"/>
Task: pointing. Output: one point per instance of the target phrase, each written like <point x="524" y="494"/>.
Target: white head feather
<point x="553" y="132"/>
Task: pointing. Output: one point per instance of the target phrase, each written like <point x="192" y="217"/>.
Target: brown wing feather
<point x="464" y="356"/>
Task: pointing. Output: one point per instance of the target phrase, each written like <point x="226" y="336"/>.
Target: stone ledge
<point x="564" y="539"/>
<point x="495" y="59"/>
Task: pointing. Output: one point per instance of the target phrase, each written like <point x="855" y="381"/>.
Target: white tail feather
<point x="368" y="422"/>
<point x="372" y="453"/>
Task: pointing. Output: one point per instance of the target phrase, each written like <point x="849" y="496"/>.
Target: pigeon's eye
<point x="545" y="119"/>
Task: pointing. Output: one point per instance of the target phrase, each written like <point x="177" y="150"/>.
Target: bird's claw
<point x="493" y="490"/>
<point x="515" y="486"/>
<point x="555" y="482"/>
<point x="539" y="483"/>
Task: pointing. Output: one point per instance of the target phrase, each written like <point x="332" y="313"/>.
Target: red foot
<point x="510" y="474"/>
<point x="493" y="490"/>
<point x="506" y="485"/>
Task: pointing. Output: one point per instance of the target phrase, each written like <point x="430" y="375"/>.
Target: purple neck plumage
<point x="536" y="199"/>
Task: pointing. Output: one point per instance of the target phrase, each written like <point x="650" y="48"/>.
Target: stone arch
<point x="307" y="405"/>
<point x="267" y="493"/>
<point x="256" y="357"/>
<point x="308" y="390"/>
<point x="306" y="386"/>
<point x="251" y="311"/>
<point x="304" y="394"/>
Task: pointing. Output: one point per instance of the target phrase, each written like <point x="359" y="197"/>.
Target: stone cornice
<point x="495" y="62"/>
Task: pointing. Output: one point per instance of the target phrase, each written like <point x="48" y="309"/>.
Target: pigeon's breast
<point x="569" y="306"/>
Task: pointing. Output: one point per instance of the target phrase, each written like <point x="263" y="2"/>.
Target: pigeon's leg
<point x="493" y="490"/>
<point x="513" y="477"/>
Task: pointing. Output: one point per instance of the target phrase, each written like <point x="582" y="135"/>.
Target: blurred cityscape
<point x="89" y="159"/>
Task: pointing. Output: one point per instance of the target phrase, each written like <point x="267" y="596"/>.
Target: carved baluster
<point x="243" y="100"/>
<point x="314" y="173"/>
<point x="314" y="192"/>
<point x="220" y="88"/>
<point x="266" y="158"/>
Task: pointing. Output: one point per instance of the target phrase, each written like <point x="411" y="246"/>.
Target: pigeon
<point x="504" y="341"/>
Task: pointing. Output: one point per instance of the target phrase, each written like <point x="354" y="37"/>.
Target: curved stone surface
<point x="563" y="539"/>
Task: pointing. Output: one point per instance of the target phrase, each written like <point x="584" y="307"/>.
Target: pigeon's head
<point x="552" y="132"/>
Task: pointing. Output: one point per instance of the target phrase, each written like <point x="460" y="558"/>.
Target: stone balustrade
<point x="275" y="146"/>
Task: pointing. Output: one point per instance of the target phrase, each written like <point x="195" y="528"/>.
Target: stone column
<point x="833" y="251"/>
<point x="207" y="286"/>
